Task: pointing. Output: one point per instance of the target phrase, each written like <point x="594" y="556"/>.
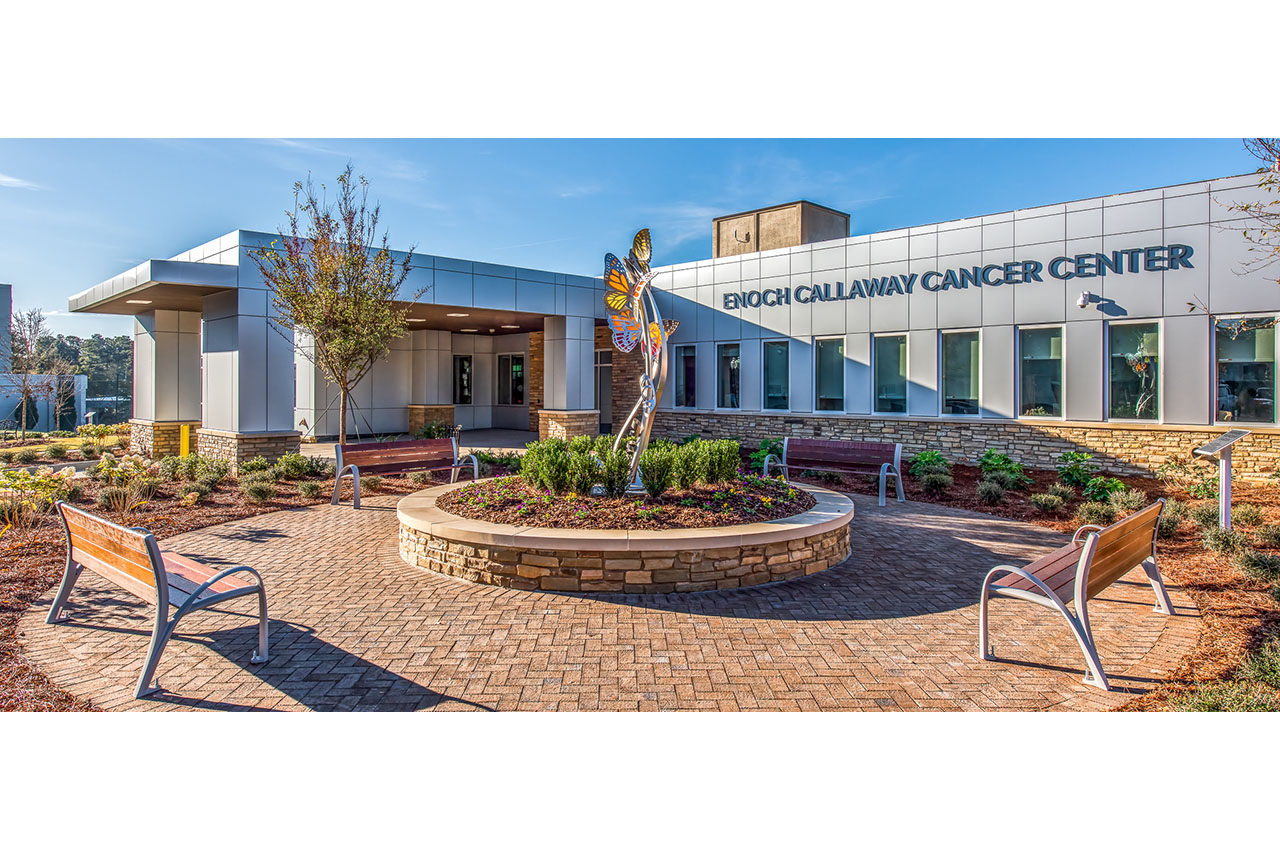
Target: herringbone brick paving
<point x="355" y="628"/>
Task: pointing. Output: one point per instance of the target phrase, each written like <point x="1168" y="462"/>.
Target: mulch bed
<point x="512" y="501"/>
<point x="31" y="562"/>
<point x="1237" y="613"/>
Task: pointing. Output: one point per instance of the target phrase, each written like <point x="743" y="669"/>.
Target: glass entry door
<point x="604" y="389"/>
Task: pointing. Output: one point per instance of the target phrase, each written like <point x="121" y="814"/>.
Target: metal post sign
<point x="1220" y="447"/>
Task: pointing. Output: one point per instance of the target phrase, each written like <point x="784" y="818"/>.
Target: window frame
<point x="786" y="343"/>
<point x="1017" y="374"/>
<point x="720" y="345"/>
<point x="906" y="371"/>
<point x="941" y="374"/>
<point x="471" y="371"/>
<point x="1214" y="318"/>
<point x="844" y="384"/>
<point x="675" y="360"/>
<point x="505" y="378"/>
<point x="1160" y="388"/>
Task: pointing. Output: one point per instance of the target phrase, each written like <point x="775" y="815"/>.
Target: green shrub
<point x="434" y="431"/>
<point x="210" y="481"/>
<point x="690" y="462"/>
<point x="292" y="465"/>
<point x="1200" y="480"/>
<point x="258" y="475"/>
<point x="194" y="487"/>
<point x="928" y="461"/>
<point x="309" y="489"/>
<point x="1100" y="487"/>
<point x="1047" y="503"/>
<point x="936" y="482"/>
<point x="1269" y="536"/>
<point x="722" y="461"/>
<point x="615" y="475"/>
<point x="580" y="444"/>
<point x="6" y="457"/>
<point x="1096" y="513"/>
<point x="258" y="491"/>
<point x="147" y="486"/>
<point x="1006" y="480"/>
<point x="989" y="492"/>
<point x="1261" y="566"/>
<point x="257" y="464"/>
<point x="169" y="467"/>
<point x="74" y="490"/>
<point x="1065" y="492"/>
<point x="110" y="497"/>
<point x="1205" y="515"/>
<point x="1076" y="468"/>
<point x="1249" y="515"/>
<point x="371" y="482"/>
<point x="584" y="470"/>
<point x="657" y="466"/>
<point x="768" y="446"/>
<point x="1128" y="500"/>
<point x="1226" y="540"/>
<point x="89" y="450"/>
<point x="1171" y="517"/>
<point x="546" y="460"/>
<point x="55" y="451"/>
<point x="26" y="455"/>
<point x="419" y="478"/>
<point x="1264" y="664"/>
<point x="1229" y="696"/>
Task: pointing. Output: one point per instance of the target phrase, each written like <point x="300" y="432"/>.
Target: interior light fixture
<point x="511" y="327"/>
<point x="457" y="315"/>
<point x="417" y="320"/>
<point x="470" y="330"/>
<point x="137" y="301"/>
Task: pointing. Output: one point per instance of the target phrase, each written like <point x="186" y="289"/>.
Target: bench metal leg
<point x="262" y="654"/>
<point x="159" y="639"/>
<point x="1163" y="603"/>
<point x="69" y="578"/>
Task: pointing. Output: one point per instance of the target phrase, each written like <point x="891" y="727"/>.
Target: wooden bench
<point x="1078" y="572"/>
<point x="398" y="458"/>
<point x="882" y="459"/>
<point x="131" y="558"/>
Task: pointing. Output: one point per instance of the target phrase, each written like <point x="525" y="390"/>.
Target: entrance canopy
<point x="157" y="285"/>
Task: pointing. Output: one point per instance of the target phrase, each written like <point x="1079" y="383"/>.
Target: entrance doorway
<point x="604" y="388"/>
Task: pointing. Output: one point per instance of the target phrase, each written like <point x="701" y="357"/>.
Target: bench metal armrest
<point x="474" y="461"/>
<point x="773" y="459"/>
<point x="194" y="601"/>
<point x="1076" y="537"/>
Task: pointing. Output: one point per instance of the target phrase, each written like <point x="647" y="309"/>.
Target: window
<point x="828" y="359"/>
<point x="1040" y="371"/>
<point x="462" y="379"/>
<point x="889" y="355"/>
<point x="1246" y="353"/>
<point x="960" y="363"/>
<point x="510" y="379"/>
<point x="727" y="372"/>
<point x="1135" y="371"/>
<point x="776" y="376"/>
<point x="686" y="376"/>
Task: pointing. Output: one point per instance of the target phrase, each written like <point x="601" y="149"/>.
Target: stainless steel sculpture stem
<point x="652" y="382"/>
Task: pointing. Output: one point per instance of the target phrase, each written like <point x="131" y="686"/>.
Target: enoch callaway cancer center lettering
<point x="1131" y="261"/>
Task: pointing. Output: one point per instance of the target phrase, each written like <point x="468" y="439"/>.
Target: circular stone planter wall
<point x="620" y="561"/>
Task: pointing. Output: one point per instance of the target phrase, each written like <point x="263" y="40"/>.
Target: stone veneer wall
<point x="533" y="383"/>
<point x="421" y="414"/>
<point x="626" y="572"/>
<point x="236" y="447"/>
<point x="568" y="423"/>
<point x="1118" y="447"/>
<point x="158" y="439"/>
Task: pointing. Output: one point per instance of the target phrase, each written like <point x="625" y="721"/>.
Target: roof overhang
<point x="156" y="285"/>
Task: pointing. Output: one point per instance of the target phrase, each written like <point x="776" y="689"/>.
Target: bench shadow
<point x="312" y="671"/>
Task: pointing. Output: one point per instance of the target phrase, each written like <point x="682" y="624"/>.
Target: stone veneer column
<point x="534" y="380"/>
<point x="568" y="378"/>
<point x="249" y="374"/>
<point x="166" y="380"/>
<point x="431" y="380"/>
<point x="568" y="423"/>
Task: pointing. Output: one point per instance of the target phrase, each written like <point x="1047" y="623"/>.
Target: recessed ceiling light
<point x="511" y="327"/>
<point x="493" y="330"/>
<point x="417" y="320"/>
<point x="457" y="315"/>
<point x="137" y="301"/>
<point x="470" y="330"/>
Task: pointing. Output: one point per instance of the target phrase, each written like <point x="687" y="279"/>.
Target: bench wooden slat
<point x="117" y="554"/>
<point x="186" y="575"/>
<point x="381" y="457"/>
<point x="397" y="468"/>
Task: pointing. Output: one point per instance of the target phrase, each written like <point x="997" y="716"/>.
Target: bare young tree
<point x="333" y="284"/>
<point x="1263" y="229"/>
<point x="26" y="330"/>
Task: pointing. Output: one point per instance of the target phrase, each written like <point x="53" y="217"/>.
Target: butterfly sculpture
<point x="634" y="321"/>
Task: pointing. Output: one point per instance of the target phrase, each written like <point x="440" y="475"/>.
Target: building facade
<point x="1132" y="326"/>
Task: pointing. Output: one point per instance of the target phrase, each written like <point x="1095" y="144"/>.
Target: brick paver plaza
<point x="354" y="627"/>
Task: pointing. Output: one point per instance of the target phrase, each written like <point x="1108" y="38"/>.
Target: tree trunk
<point x="342" y="414"/>
<point x="22" y="420"/>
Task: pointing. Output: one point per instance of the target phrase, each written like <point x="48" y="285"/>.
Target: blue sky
<point x="76" y="212"/>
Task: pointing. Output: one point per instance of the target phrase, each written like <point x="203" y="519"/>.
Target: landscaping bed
<point x="513" y="501"/>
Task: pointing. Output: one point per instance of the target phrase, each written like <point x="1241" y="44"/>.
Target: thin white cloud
<point x="581" y="190"/>
<point x="7" y="182"/>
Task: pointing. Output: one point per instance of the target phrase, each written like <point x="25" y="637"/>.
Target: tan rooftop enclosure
<point x="784" y="226"/>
